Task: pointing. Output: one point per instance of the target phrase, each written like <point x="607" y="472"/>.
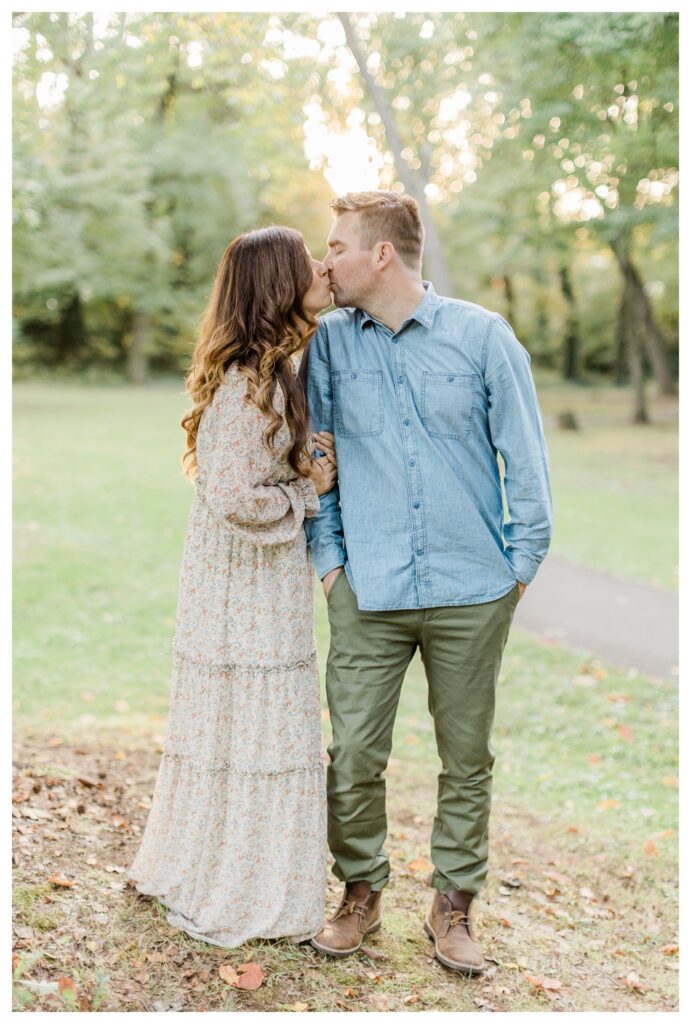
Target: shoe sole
<point x="451" y="964"/>
<point x="346" y="952"/>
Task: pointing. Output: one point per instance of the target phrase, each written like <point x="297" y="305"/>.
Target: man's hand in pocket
<point x="328" y="580"/>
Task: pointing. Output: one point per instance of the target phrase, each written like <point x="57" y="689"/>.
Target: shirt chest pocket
<point x="358" y="403"/>
<point x="447" y="403"/>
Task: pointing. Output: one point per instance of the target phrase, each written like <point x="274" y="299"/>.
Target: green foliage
<point x="543" y="139"/>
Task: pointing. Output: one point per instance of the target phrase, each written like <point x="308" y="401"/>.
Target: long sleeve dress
<point x="235" y="842"/>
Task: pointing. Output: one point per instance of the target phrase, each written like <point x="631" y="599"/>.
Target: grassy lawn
<point x="615" y="485"/>
<point x="585" y="781"/>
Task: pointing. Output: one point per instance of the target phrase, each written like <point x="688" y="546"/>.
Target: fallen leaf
<point x="41" y="988"/>
<point x="420" y="864"/>
<point x="299" y="1007"/>
<point x="651" y="849"/>
<point x="573" y="828"/>
<point x="156" y="958"/>
<point x="379" y="1001"/>
<point x="227" y="973"/>
<point x="618" y="698"/>
<point x="412" y="739"/>
<point x="512" y="882"/>
<point x="670" y="950"/>
<point x="608" y="805"/>
<point x="409" y="1000"/>
<point x="626" y="732"/>
<point x="251" y="977"/>
<point x="505" y="923"/>
<point x="58" y="878"/>
<point x="350" y="993"/>
<point x="65" y="983"/>
<point x="36" y="814"/>
<point x="634" y="982"/>
<point x="595" y="758"/>
<point x="543" y="983"/>
<point x="89" y="783"/>
<point x="671" y="780"/>
<point x="15" y="960"/>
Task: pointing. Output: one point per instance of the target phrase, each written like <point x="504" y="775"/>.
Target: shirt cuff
<point x="524" y="568"/>
<point x="327" y="558"/>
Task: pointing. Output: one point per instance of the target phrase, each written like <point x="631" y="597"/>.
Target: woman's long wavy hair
<point x="256" y="318"/>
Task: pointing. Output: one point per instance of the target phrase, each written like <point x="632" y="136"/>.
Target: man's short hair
<point x="386" y="217"/>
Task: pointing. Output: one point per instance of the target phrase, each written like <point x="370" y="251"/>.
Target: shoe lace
<point x="350" y="907"/>
<point x="458" y="917"/>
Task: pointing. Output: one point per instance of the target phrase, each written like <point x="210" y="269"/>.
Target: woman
<point x="235" y="842"/>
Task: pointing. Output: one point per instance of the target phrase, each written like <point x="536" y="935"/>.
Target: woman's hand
<point x="325" y="442"/>
<point x="324" y="470"/>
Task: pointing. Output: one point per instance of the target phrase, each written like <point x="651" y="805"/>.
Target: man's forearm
<point x="325" y="535"/>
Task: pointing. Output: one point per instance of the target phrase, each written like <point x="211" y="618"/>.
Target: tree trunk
<point x="634" y="349"/>
<point x="572" y="341"/>
<point x="137" y="352"/>
<point x="642" y="312"/>
<point x="71" y="334"/>
<point x="621" y="371"/>
<point x="510" y="302"/>
<point x="434" y="260"/>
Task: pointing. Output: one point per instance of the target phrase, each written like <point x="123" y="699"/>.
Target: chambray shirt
<point x="419" y="415"/>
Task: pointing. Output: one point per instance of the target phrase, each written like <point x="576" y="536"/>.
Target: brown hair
<point x="386" y="217"/>
<point x="255" y="318"/>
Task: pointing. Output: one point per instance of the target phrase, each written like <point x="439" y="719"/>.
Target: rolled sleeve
<point x="516" y="429"/>
<point x="324" y="530"/>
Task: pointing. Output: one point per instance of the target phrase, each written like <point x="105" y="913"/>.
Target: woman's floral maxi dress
<point x="235" y="842"/>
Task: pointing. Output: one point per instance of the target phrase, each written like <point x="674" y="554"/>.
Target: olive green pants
<point x="461" y="649"/>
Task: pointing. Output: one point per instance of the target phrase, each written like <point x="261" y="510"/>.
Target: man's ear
<point x="385" y="253"/>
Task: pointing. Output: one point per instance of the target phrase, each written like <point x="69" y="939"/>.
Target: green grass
<point x="585" y="778"/>
<point x="615" y="485"/>
<point x="100" y="514"/>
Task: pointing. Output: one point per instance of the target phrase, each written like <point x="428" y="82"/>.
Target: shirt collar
<point x="424" y="313"/>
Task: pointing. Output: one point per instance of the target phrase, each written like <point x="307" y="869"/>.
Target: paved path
<point x="629" y="624"/>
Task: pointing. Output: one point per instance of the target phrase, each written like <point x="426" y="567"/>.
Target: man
<point x="421" y="393"/>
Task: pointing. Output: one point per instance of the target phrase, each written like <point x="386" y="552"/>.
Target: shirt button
<point x="354" y="376"/>
<point x="450" y="379"/>
<point x="412" y="462"/>
<point x="401" y="379"/>
<point x="395" y="341"/>
<point x="416" y="504"/>
<point x="420" y="551"/>
<point x="406" y="423"/>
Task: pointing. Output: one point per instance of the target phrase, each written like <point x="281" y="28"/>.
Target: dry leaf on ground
<point x="251" y="977"/>
<point x="227" y="973"/>
<point x="59" y="878"/>
<point x="420" y="864"/>
<point x="544" y="983"/>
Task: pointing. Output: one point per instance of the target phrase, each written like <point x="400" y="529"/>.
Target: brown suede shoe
<point x="448" y="924"/>
<point x="358" y="915"/>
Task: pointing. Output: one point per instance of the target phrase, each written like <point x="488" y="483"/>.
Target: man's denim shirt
<point x="417" y="516"/>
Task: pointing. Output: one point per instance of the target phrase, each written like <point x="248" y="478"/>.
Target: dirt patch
<point x="569" y="920"/>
